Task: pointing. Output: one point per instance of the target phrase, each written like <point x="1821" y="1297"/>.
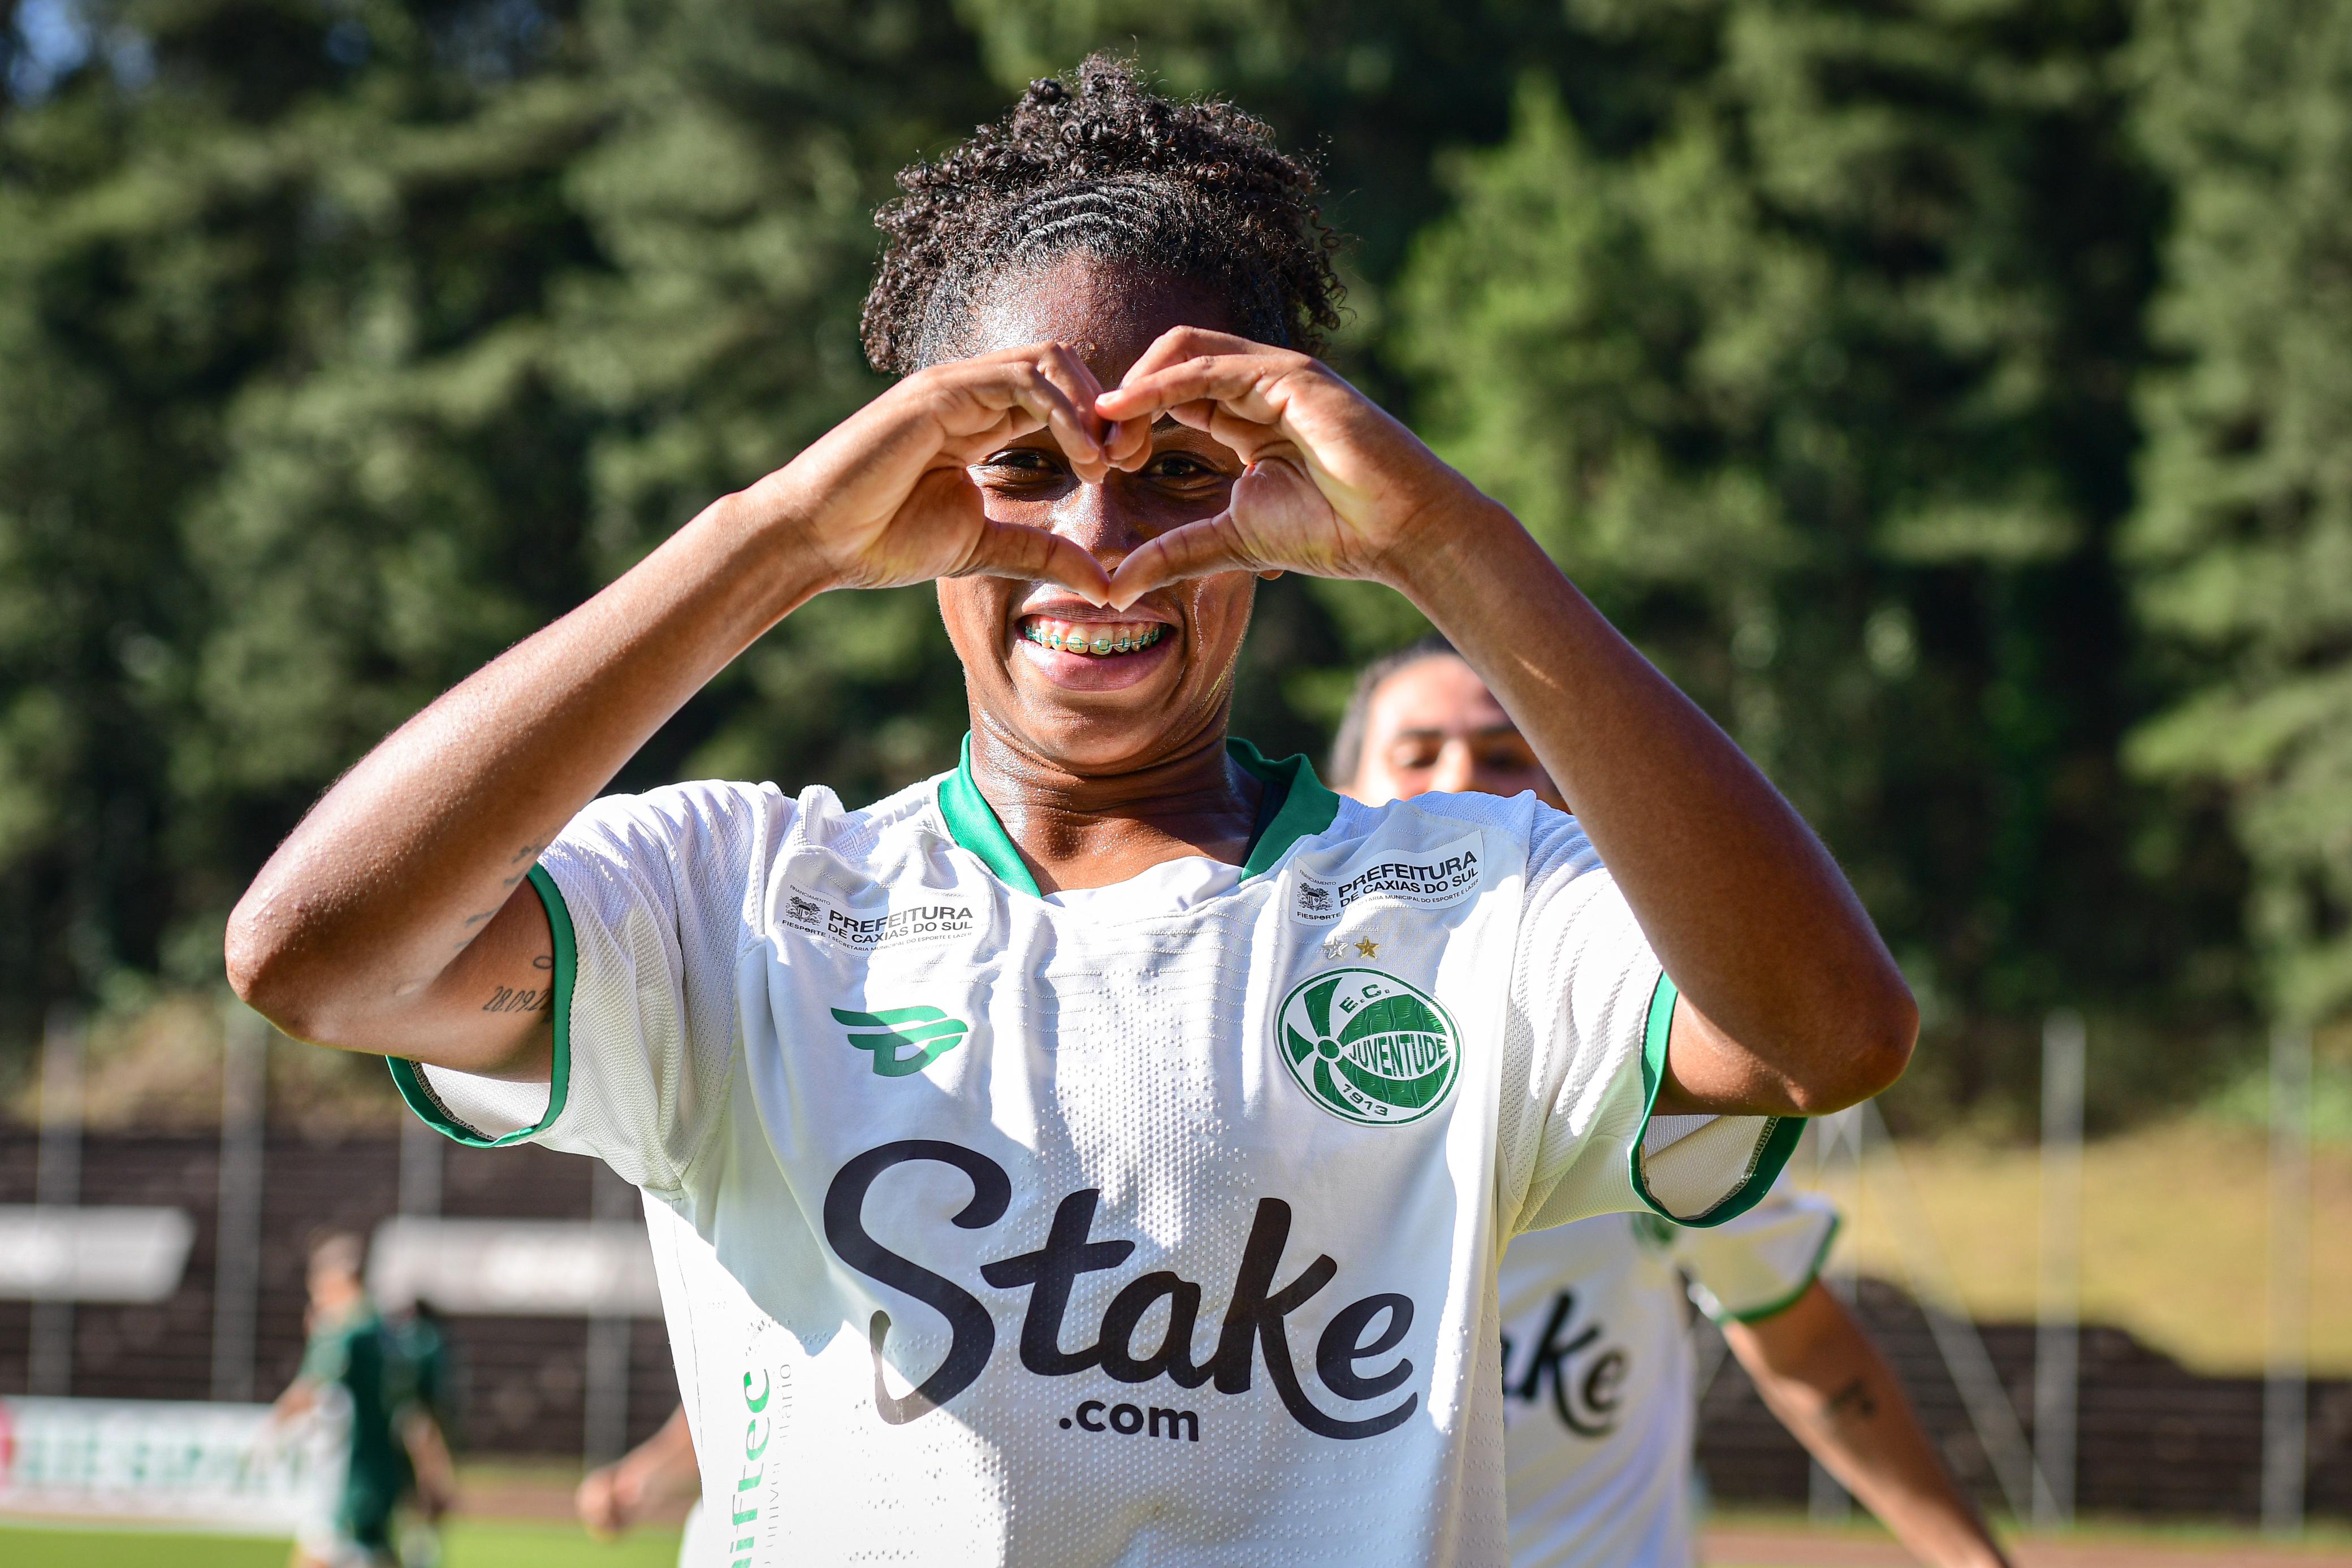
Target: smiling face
<point x="1080" y="689"/>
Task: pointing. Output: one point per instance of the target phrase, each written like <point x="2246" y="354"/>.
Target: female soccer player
<point x="1100" y="1152"/>
<point x="1598" y="1381"/>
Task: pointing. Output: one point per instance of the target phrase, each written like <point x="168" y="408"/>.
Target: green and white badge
<point x="1367" y="1047"/>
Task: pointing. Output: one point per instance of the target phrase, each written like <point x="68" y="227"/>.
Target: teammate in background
<point x="416" y="1330"/>
<point x="1597" y="1378"/>
<point x="1099" y="1151"/>
<point x="356" y="1363"/>
<point x="428" y="1435"/>
<point x="614" y="1498"/>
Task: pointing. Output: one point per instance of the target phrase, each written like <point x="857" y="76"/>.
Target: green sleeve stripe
<point x="1774" y="1309"/>
<point x="417" y="1090"/>
<point x="1657" y="1030"/>
<point x="1772" y="1151"/>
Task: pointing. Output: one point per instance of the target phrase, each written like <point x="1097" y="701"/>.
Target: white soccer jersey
<point x="1153" y="1224"/>
<point x="1598" y="1407"/>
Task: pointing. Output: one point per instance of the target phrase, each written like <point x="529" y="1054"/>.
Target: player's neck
<point x="1079" y="830"/>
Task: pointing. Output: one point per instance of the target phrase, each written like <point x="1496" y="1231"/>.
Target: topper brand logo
<point x="759" y="1424"/>
<point x="929" y="1032"/>
<point x="1254" y="1322"/>
<point x="1367" y="1047"/>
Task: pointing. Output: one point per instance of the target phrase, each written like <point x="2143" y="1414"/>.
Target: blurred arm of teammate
<point x="395" y="918"/>
<point x="301" y="1397"/>
<point x="660" y="1470"/>
<point x="1790" y="1003"/>
<point x="428" y="1457"/>
<point x="1826" y="1380"/>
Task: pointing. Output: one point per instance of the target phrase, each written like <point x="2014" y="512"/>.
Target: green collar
<point x="1304" y="808"/>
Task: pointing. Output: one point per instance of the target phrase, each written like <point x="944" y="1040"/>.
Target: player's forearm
<point x="361" y="918"/>
<point x="428" y="1456"/>
<point x="1893" y="1468"/>
<point x="1821" y="1375"/>
<point x="663" y="1467"/>
<point x="1745" y="907"/>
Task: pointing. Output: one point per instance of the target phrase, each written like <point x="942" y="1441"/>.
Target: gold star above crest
<point x="1367" y="947"/>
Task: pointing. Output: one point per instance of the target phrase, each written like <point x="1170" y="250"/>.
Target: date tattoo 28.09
<point x="531" y="999"/>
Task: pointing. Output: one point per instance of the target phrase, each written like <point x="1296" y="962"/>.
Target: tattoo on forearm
<point x="544" y="961"/>
<point x="502" y="1002"/>
<point x="1854" y="1400"/>
<point x="506" y="999"/>
<point x="528" y="853"/>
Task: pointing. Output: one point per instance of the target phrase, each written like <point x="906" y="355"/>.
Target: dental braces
<point x="1099" y="646"/>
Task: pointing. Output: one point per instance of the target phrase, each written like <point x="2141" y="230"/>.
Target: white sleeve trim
<point x="1693" y="1164"/>
<point x="490" y="1106"/>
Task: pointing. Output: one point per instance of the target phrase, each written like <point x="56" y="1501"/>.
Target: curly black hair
<point x="1197" y="192"/>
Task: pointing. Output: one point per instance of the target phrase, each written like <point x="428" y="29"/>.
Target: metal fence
<point x="2041" y="1418"/>
<point x="526" y="1384"/>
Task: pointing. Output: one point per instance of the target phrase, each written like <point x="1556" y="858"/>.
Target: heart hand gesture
<point x="1335" y="487"/>
<point x="884" y="498"/>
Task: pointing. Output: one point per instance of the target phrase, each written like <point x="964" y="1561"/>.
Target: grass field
<point x="2174" y="1239"/>
<point x="1739" y="1540"/>
<point x="469" y="1544"/>
<point x="1759" y="1538"/>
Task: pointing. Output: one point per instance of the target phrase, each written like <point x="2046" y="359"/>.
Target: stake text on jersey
<point x="1364" y="1332"/>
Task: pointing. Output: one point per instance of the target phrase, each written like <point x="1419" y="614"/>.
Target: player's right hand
<point x="884" y="498"/>
<point x="601" y="1508"/>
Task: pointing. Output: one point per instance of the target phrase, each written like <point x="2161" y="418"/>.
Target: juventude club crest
<point x="1368" y="1047"/>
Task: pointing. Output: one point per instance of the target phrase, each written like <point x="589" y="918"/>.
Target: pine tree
<point x="157" y="166"/>
<point x="1820" y="387"/>
<point x="2243" y="536"/>
<point x="346" y="343"/>
<point x="735" y="196"/>
<point x="349" y="344"/>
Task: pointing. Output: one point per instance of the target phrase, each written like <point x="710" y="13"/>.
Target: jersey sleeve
<point x="1758" y="1263"/>
<point x="650" y="898"/>
<point x="326" y="1359"/>
<point x="1596" y="1007"/>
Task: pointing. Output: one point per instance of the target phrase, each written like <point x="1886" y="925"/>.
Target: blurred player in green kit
<point x="359" y="1368"/>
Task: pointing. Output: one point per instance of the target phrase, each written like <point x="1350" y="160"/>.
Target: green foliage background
<point x="1951" y="393"/>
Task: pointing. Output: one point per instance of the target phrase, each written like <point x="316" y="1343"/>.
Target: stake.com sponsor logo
<point x="1365" y="1331"/>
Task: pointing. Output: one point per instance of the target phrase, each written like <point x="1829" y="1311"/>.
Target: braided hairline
<point x="1197" y="192"/>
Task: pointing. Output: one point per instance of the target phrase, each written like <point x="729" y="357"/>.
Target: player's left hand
<point x="1335" y="487"/>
